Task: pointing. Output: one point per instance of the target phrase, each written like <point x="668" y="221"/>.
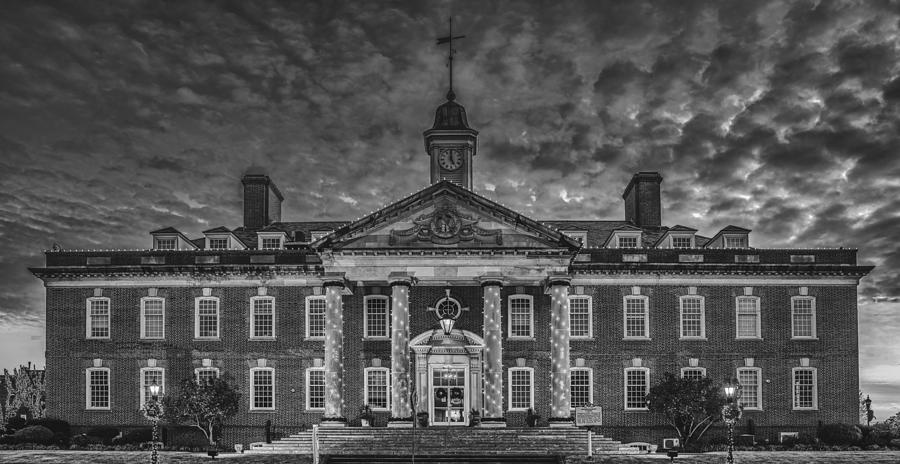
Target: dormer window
<point x="628" y="241"/>
<point x="682" y="241"/>
<point x="271" y="240"/>
<point x="579" y="235"/>
<point x="165" y="243"/>
<point x="271" y="243"/>
<point x="218" y="243"/>
<point x="735" y="241"/>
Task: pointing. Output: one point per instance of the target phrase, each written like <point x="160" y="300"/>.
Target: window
<point x="578" y="235"/>
<point x="262" y="388"/>
<point x="315" y="317"/>
<point x="218" y="243"/>
<point x="628" y="242"/>
<point x="580" y="317"/>
<point x="681" y="241"/>
<point x="153" y="319"/>
<point x="377" y="394"/>
<point x="805" y="388"/>
<point x="206" y="318"/>
<point x="803" y="317"/>
<point x="165" y="243"/>
<point x="262" y="318"/>
<point x="581" y="391"/>
<point x="693" y="317"/>
<point x="637" y="386"/>
<point x="271" y="243"/>
<point x="378" y="318"/>
<point x="206" y="374"/>
<point x="636" y="317"/>
<point x="97" y="386"/>
<point x="98" y="318"/>
<point x="520" y="316"/>
<point x="315" y="388"/>
<point x="748" y="317"/>
<point x="751" y="388"/>
<point x="151" y="376"/>
<point x="521" y="393"/>
<point x="735" y="241"/>
<point x="693" y="373"/>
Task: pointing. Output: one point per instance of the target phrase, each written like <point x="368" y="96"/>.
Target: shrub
<point x="895" y="442"/>
<point x="14" y="424"/>
<point x="840" y="434"/>
<point x="37" y="434"/>
<point x="188" y="437"/>
<point x="104" y="433"/>
<point x="62" y="432"/>
<point x="136" y="436"/>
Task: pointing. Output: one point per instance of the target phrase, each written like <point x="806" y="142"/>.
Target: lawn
<point x="754" y="457"/>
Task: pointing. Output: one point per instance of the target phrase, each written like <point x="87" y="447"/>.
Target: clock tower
<point x="451" y="144"/>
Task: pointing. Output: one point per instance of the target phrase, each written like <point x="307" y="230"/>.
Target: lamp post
<point x="153" y="411"/>
<point x="869" y="414"/>
<point x="731" y="413"/>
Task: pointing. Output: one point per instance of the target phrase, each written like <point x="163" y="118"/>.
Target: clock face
<point x="450" y="159"/>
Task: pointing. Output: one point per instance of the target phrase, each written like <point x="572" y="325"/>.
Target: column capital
<point x="337" y="280"/>
<point x="491" y="278"/>
<point x="401" y="278"/>
<point x="554" y="280"/>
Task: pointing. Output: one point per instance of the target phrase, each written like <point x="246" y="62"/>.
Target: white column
<point x="559" y="350"/>
<point x="493" y="353"/>
<point x="400" y="380"/>
<point x="334" y="353"/>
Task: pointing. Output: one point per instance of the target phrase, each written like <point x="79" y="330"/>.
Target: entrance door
<point x="449" y="395"/>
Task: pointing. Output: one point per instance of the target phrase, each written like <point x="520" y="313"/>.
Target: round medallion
<point x="445" y="223"/>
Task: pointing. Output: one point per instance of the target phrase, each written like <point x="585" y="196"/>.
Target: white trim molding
<point x="509" y="319"/>
<point x="253" y="322"/>
<point x="590" y="317"/>
<point x="387" y="317"/>
<point x="253" y="372"/>
<point x="509" y="373"/>
<point x="387" y="386"/>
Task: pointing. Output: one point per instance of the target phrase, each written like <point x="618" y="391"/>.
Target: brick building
<point x="311" y="320"/>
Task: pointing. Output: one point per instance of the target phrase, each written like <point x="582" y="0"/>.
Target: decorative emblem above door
<point x="444" y="226"/>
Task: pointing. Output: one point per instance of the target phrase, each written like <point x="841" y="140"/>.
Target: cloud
<point x="122" y="118"/>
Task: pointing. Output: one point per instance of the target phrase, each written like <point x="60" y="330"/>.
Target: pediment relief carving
<point x="445" y="225"/>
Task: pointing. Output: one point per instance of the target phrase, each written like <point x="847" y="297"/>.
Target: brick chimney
<point x="642" y="205"/>
<point x="262" y="200"/>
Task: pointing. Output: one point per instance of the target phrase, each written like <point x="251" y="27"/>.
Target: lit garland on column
<point x="334" y="351"/>
<point x="493" y="351"/>
<point x="400" y="406"/>
<point x="559" y="351"/>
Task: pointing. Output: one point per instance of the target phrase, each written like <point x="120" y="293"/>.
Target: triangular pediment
<point x="445" y="215"/>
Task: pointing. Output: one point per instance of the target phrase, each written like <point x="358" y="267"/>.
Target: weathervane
<point x="449" y="41"/>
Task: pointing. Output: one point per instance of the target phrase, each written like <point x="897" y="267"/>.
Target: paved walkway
<point x="741" y="457"/>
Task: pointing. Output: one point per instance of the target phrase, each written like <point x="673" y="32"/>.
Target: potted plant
<point x="531" y="419"/>
<point x="365" y="415"/>
<point x="474" y="418"/>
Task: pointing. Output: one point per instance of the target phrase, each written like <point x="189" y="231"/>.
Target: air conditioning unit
<point x="671" y="443"/>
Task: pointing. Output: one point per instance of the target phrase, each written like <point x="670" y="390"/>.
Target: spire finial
<point x="450" y="52"/>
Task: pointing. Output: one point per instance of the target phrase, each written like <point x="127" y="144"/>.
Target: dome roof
<point x="450" y="115"/>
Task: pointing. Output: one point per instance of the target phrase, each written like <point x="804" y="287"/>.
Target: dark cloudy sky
<point x="117" y="118"/>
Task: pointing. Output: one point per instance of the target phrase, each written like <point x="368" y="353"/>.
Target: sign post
<point x="587" y="417"/>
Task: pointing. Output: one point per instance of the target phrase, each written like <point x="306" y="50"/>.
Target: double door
<point x="449" y="395"/>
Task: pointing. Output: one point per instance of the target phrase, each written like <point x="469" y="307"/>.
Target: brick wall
<point x="834" y="354"/>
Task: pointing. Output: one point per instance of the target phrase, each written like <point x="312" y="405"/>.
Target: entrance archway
<point x="448" y="375"/>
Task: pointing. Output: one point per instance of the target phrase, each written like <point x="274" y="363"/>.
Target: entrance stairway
<point x="462" y="442"/>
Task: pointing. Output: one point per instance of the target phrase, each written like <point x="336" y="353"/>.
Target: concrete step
<point x="439" y="441"/>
